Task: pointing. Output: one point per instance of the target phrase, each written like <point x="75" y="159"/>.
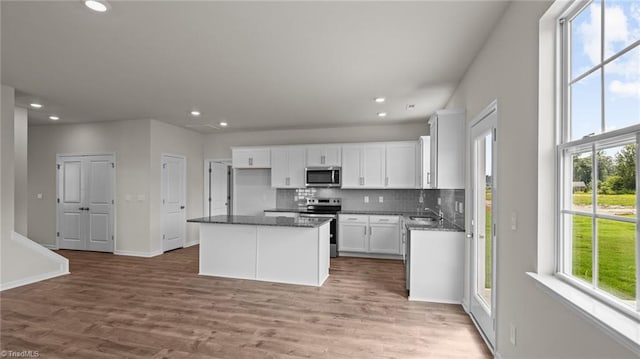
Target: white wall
<point x="506" y="69"/>
<point x="20" y="154"/>
<point x="7" y="173"/>
<point x="21" y="261"/>
<point x="169" y="139"/>
<point x="130" y="140"/>
<point x="217" y="146"/>
<point x="138" y="145"/>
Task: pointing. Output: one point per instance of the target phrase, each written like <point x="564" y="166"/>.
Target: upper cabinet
<point x="446" y="150"/>
<point x="363" y="165"/>
<point x="287" y="166"/>
<point x="380" y="165"/>
<point x="402" y="168"/>
<point x="251" y="157"/>
<point x="324" y="155"/>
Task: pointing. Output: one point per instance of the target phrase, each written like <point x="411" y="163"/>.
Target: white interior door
<point x="85" y="203"/>
<point x="483" y="245"/>
<point x="173" y="202"/>
<point x="219" y="182"/>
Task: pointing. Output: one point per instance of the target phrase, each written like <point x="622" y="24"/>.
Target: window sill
<point x="620" y="327"/>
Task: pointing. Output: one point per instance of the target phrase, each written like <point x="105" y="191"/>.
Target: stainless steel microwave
<point x="322" y="176"/>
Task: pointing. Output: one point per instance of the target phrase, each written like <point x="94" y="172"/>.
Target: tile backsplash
<point x="402" y="200"/>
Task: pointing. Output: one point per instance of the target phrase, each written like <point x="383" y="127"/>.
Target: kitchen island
<point x="274" y="249"/>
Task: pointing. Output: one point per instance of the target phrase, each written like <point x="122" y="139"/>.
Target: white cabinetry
<point x="362" y="235"/>
<point x="324" y="155"/>
<point x="436" y="266"/>
<point x="363" y="165"/>
<point x="287" y="167"/>
<point x="352" y="233"/>
<point x="447" y="135"/>
<point x="251" y="157"/>
<point x="401" y="165"/>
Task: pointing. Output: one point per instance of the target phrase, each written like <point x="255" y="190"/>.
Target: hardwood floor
<point x="116" y="306"/>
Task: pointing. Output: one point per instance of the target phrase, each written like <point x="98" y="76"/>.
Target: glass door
<point x="483" y="236"/>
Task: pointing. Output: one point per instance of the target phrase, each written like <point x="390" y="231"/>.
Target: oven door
<point x="322" y="177"/>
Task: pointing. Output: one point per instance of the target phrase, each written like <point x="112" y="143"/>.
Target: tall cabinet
<point x="446" y="150"/>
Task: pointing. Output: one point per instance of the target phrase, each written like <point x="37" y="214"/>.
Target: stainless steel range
<point x="325" y="208"/>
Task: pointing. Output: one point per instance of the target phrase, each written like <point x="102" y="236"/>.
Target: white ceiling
<point x="252" y="64"/>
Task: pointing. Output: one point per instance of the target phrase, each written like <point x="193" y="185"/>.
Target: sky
<point x="621" y="77"/>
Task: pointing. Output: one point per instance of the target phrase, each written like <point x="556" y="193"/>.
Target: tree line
<point x="616" y="174"/>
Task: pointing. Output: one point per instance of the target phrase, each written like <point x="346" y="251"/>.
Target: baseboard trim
<point x="33" y="279"/>
<point x="53" y="247"/>
<point x="137" y="253"/>
<point x="497" y="355"/>
<point x="432" y="300"/>
<point x="370" y="255"/>
<point x="191" y="244"/>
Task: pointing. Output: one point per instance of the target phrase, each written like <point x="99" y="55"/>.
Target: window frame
<point x="564" y="149"/>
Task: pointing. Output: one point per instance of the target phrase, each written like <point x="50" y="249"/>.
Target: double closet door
<point x="85" y="202"/>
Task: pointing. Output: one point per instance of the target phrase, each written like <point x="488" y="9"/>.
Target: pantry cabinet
<point x="446" y="150"/>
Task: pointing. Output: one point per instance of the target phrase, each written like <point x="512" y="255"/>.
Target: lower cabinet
<point x="364" y="235"/>
<point x="435" y="266"/>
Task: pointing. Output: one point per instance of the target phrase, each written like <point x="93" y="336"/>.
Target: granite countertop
<point x="262" y="221"/>
<point x="444" y="225"/>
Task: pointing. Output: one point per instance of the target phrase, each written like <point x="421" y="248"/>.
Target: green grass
<point x="585" y="199"/>
<point x="616" y="255"/>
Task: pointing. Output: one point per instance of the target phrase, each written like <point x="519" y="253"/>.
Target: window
<point x="598" y="150"/>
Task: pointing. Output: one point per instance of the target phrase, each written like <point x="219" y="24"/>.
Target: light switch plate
<point x="439" y="201"/>
<point x="514" y="221"/>
<point x="366" y="199"/>
<point x="39" y="196"/>
<point x="380" y="199"/>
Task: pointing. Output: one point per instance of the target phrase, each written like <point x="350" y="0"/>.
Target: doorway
<point x="218" y="187"/>
<point x="85" y="202"/>
<point x="173" y="189"/>
<point x="483" y="147"/>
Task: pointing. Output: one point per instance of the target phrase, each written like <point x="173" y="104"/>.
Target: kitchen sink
<point x="424" y="220"/>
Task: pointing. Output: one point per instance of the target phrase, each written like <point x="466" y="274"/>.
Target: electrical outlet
<point x="39" y="196"/>
<point x="366" y="199"/>
<point x="380" y="199"/>
<point x="514" y="221"/>
<point x="421" y="199"/>
<point x="512" y="334"/>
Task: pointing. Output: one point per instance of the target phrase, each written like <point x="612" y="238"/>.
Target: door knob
<point x="181" y="207"/>
<point x="469" y="235"/>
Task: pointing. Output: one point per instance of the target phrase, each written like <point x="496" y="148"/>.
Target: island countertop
<point x="262" y="221"/>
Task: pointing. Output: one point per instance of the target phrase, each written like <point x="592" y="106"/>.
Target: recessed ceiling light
<point x="195" y="113"/>
<point x="379" y="99"/>
<point x="35" y="105"/>
<point x="382" y="114"/>
<point x="224" y="124"/>
<point x="99" y="6"/>
<point x="54" y="118"/>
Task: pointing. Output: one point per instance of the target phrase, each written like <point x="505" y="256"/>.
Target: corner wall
<point x="22" y="261"/>
<point x="130" y="140"/>
<point x="506" y="69"/>
<point x="172" y="140"/>
<point x="20" y="175"/>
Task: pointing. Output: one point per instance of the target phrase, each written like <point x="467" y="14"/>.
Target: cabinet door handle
<point x="384" y="220"/>
<point x="322" y="159"/>
<point x="428" y="177"/>
<point x="250" y="161"/>
<point x="386" y="181"/>
<point x="365" y="230"/>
